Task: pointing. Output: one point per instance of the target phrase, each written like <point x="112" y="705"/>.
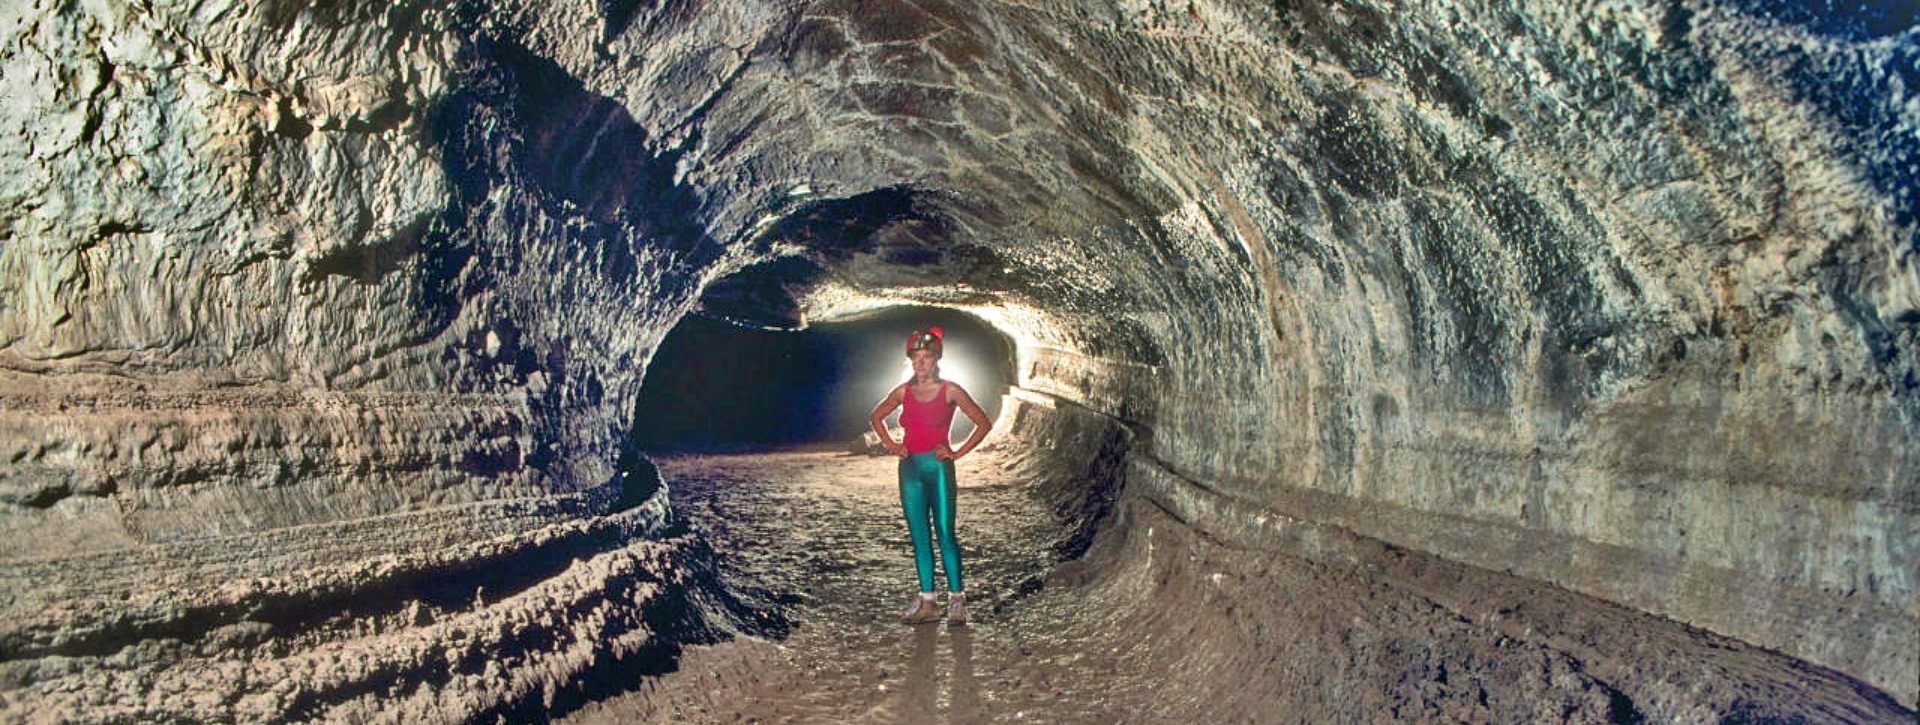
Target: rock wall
<point x="1598" y="360"/>
<point x="296" y="263"/>
<point x="1621" y="299"/>
<point x="1614" y="301"/>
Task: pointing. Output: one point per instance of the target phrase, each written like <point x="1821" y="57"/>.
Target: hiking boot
<point x="956" y="608"/>
<point x="922" y="611"/>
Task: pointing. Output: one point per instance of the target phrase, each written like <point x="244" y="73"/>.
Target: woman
<point x="926" y="467"/>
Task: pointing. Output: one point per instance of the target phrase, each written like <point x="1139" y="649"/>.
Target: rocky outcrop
<point x="1621" y="299"/>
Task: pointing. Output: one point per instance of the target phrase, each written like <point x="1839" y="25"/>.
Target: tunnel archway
<point x="716" y="385"/>
<point x="1619" y="299"/>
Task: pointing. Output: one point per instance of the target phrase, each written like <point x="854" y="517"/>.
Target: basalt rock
<point x="1622" y="299"/>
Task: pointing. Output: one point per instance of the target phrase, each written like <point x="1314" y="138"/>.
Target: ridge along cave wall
<point x="1622" y="299"/>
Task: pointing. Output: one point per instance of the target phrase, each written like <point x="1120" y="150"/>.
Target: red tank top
<point x="928" y="423"/>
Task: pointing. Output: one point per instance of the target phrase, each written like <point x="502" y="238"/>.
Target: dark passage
<point x="717" y="386"/>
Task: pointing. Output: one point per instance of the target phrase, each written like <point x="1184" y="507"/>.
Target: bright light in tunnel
<point x="951" y="368"/>
<point x="967" y="360"/>
<point x="955" y="365"/>
<point x="959" y="368"/>
<point x="717" y="385"/>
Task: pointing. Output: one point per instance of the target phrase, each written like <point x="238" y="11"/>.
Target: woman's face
<point x="923" y="362"/>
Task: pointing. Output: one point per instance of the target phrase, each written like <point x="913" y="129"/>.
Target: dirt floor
<point x="1159" y="624"/>
<point x="822" y="534"/>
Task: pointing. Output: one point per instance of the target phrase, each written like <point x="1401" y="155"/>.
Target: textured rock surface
<point x="1621" y="299"/>
<point x="1159" y="622"/>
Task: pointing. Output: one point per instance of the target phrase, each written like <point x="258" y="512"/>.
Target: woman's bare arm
<point x="973" y="412"/>
<point x="878" y="419"/>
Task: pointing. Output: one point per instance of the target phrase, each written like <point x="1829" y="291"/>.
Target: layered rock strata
<point x="1620" y="298"/>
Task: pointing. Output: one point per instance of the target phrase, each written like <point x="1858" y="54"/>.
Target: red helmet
<point x="928" y="339"/>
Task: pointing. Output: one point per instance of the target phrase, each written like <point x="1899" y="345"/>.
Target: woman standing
<point x="926" y="468"/>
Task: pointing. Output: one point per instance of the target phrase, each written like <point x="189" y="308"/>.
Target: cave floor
<point x="821" y="533"/>
<point x="459" y="614"/>
<point x="1160" y="624"/>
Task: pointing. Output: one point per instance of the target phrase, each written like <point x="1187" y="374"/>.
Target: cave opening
<point x="718" y="386"/>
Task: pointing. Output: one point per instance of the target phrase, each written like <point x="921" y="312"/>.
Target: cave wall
<point x="1621" y="298"/>
<point x="294" y="263"/>
<point x="1568" y="296"/>
<point x="1453" y="340"/>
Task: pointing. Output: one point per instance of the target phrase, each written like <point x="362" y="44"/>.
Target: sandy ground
<point x="1158" y="624"/>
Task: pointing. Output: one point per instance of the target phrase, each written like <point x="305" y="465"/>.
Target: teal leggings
<point x="927" y="489"/>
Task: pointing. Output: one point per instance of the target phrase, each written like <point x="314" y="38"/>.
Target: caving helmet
<point x="928" y="339"/>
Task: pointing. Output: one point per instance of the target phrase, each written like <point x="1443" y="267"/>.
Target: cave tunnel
<point x="1478" y="361"/>
<point x="717" y="384"/>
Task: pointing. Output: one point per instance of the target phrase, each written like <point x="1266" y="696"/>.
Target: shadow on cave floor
<point x="1157" y="623"/>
